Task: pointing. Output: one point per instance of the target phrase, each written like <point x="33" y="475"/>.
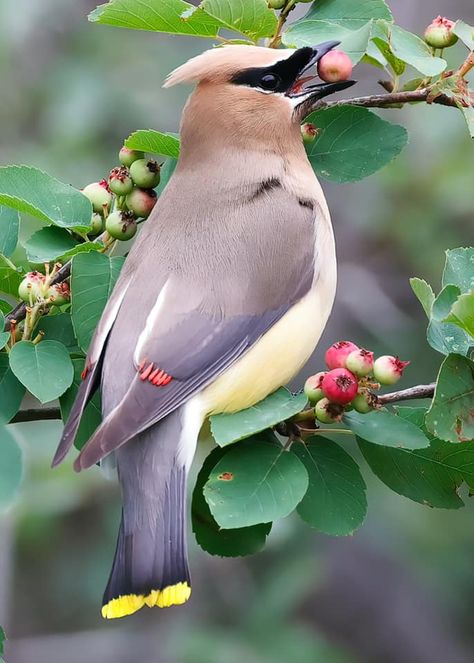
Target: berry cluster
<point x="347" y="385"/>
<point x="125" y="197"/>
<point x="36" y="287"/>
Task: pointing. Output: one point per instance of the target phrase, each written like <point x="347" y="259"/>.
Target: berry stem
<point x="466" y="66"/>
<point x="275" y="41"/>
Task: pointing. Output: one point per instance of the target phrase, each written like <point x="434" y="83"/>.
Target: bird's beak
<point x="301" y="92"/>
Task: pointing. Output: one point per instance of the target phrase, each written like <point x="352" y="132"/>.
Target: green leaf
<point x="398" y="66"/>
<point x="353" y="143"/>
<point x="465" y="33"/>
<point x="444" y="336"/>
<point x="462" y="313"/>
<point x="167" y="169"/>
<point x="11" y="391"/>
<point x="58" y="328"/>
<point x="424" y="293"/>
<point x="53" y="243"/>
<point x="9" y="225"/>
<point x="459" y="269"/>
<point x="411" y="49"/>
<point x="91" y="416"/>
<point x="10" y="472"/>
<point x="451" y="415"/>
<point x="335" y="502"/>
<point x="4" y="336"/>
<point x="310" y="32"/>
<point x="45" y="369"/>
<point x="250" y="17"/>
<point x="149" y="140"/>
<point x="172" y="16"/>
<point x="348" y="13"/>
<point x="93" y="277"/>
<point x="387" y="429"/>
<point x="281" y="405"/>
<point x="256" y="481"/>
<point x="212" y="539"/>
<point x="3" y="637"/>
<point x="10" y="277"/>
<point x="429" y="476"/>
<point x="5" y="307"/>
<point x="30" y="190"/>
<point x="468" y="114"/>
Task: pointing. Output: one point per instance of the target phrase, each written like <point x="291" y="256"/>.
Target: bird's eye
<point x="270" y="81"/>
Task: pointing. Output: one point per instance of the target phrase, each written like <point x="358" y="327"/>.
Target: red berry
<point x="312" y="387"/>
<point x="335" y="66"/>
<point x="120" y="181"/>
<point x="360" y="362"/>
<point x="336" y="355"/>
<point x="128" y="156"/>
<point x="99" y="195"/>
<point x="340" y="386"/>
<point x="388" y="369"/>
<point x="439" y="34"/>
<point x="327" y="412"/>
<point x="141" y="201"/>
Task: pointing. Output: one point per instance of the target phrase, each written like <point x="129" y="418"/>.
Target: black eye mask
<point x="279" y="77"/>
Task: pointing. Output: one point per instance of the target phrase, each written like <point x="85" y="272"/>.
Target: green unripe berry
<point x="121" y="225"/>
<point x="32" y="287"/>
<point x="120" y="181"/>
<point x="145" y="173"/>
<point x="59" y="294"/>
<point x="312" y="387"/>
<point x="309" y="132"/>
<point x="327" y="412"/>
<point x="97" y="225"/>
<point x="99" y="195"/>
<point x="439" y="34"/>
<point x="362" y="402"/>
<point x="128" y="156"/>
<point x="276" y="4"/>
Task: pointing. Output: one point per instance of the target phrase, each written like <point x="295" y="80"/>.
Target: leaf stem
<point x="275" y="41"/>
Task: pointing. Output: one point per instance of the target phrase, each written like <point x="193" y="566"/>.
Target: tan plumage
<point x="225" y="293"/>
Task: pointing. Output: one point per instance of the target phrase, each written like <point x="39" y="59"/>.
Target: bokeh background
<point x="401" y="589"/>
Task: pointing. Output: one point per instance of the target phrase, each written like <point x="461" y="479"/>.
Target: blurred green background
<point x="401" y="589"/>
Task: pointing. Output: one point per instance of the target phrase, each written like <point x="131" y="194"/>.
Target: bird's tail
<point x="150" y="567"/>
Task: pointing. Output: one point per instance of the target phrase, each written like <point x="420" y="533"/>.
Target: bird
<point x="221" y="300"/>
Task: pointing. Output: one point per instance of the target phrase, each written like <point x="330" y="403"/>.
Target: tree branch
<point x="393" y="99"/>
<point x="420" y="391"/>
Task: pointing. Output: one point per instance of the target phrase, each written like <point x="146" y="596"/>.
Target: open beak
<point x="300" y="91"/>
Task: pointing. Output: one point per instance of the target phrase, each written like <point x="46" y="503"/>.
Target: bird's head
<point x="255" y="86"/>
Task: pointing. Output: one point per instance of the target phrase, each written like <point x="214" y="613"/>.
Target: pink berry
<point x="336" y="355"/>
<point x="327" y="412"/>
<point x="388" y="369"/>
<point x="439" y="34"/>
<point x="360" y="362"/>
<point x="312" y="387"/>
<point x="340" y="386"/>
<point x="141" y="201"/>
<point x="335" y="66"/>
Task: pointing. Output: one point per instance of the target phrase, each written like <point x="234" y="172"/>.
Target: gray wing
<point x="184" y="320"/>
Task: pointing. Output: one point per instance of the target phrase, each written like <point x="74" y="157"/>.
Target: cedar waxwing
<point x="221" y="300"/>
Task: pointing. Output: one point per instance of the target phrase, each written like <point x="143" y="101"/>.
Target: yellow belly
<point x="276" y="358"/>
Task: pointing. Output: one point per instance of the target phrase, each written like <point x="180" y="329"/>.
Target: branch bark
<point x="420" y="391"/>
<point x="393" y="99"/>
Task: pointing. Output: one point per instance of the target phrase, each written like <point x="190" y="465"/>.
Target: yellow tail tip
<point x="162" y="598"/>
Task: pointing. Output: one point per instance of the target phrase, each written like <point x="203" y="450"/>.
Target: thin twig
<point x="420" y="391"/>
